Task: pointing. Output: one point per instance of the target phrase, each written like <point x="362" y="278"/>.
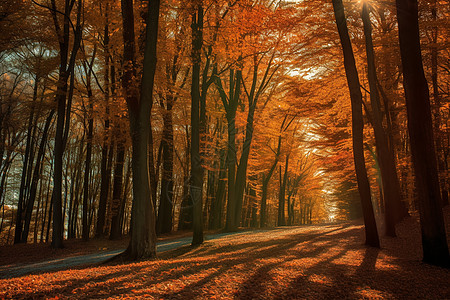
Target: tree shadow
<point x="331" y="263"/>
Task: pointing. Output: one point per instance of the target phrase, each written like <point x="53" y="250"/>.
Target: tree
<point x="107" y="149"/>
<point x="434" y="241"/>
<point x="66" y="70"/>
<point x="196" y="167"/>
<point x="385" y="152"/>
<point x="143" y="236"/>
<point x="90" y="132"/>
<point x="357" y="125"/>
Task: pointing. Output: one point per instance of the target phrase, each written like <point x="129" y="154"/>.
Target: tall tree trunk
<point x="196" y="164"/>
<point x="282" y="195"/>
<point x="65" y="70"/>
<point x="231" y="103"/>
<point x="126" y="186"/>
<point x="385" y="152"/>
<point x="371" y="231"/>
<point x="36" y="174"/>
<point x="185" y="219"/>
<point x="47" y="203"/>
<point x="87" y="168"/>
<point x="241" y="173"/>
<point x="230" y="224"/>
<point x="27" y="164"/>
<point x="437" y="107"/>
<point x="104" y="170"/>
<point x="215" y="220"/>
<point x="265" y="185"/>
<point x="117" y="197"/>
<point x="253" y="203"/>
<point x="143" y="235"/>
<point x="434" y="240"/>
<point x="165" y="219"/>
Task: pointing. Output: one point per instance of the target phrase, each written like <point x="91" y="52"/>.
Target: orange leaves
<point x="326" y="261"/>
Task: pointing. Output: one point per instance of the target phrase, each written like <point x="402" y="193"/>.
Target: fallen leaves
<point x="309" y="262"/>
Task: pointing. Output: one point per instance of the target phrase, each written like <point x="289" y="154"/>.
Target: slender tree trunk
<point x="231" y="166"/>
<point x="57" y="236"/>
<point x="65" y="70"/>
<point x="27" y="164"/>
<point x="153" y="168"/>
<point x="87" y="168"/>
<point x="122" y="212"/>
<point x="434" y="240"/>
<point x="185" y="219"/>
<point x="253" y="203"/>
<point x="371" y="231"/>
<point x="389" y="178"/>
<point x="263" y="209"/>
<point x="47" y="203"/>
<point x="36" y="174"/>
<point x="217" y="205"/>
<point x="266" y="180"/>
<point x="165" y="219"/>
<point x="282" y="195"/>
<point x="196" y="164"/>
<point x="437" y="107"/>
<point x="241" y="174"/>
<point x="104" y="170"/>
<point x="117" y="198"/>
<point x="211" y="183"/>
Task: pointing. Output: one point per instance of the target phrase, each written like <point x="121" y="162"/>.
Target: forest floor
<point x="301" y="262"/>
<point x="26" y="259"/>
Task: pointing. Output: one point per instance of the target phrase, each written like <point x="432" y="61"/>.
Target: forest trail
<point x="299" y="262"/>
<point x="64" y="263"/>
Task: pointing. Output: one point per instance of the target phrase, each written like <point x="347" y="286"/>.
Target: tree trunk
<point x="117" y="196"/>
<point x="104" y="170"/>
<point x="126" y="186"/>
<point x="282" y="195"/>
<point x="27" y="164"/>
<point x="87" y="167"/>
<point x="215" y="219"/>
<point x="36" y="174"/>
<point x="143" y="236"/>
<point x="357" y="126"/>
<point x="196" y="164"/>
<point x="241" y="174"/>
<point x="230" y="224"/>
<point x="65" y="70"/>
<point x="185" y="219"/>
<point x="437" y="108"/>
<point x="389" y="178"/>
<point x="434" y="240"/>
<point x="230" y="108"/>
<point x="266" y="179"/>
<point x="107" y="147"/>
<point x="165" y="219"/>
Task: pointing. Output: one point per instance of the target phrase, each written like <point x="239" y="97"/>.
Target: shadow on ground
<point x="294" y="263"/>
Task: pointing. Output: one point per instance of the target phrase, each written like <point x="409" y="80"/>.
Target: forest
<point x="144" y="119"/>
